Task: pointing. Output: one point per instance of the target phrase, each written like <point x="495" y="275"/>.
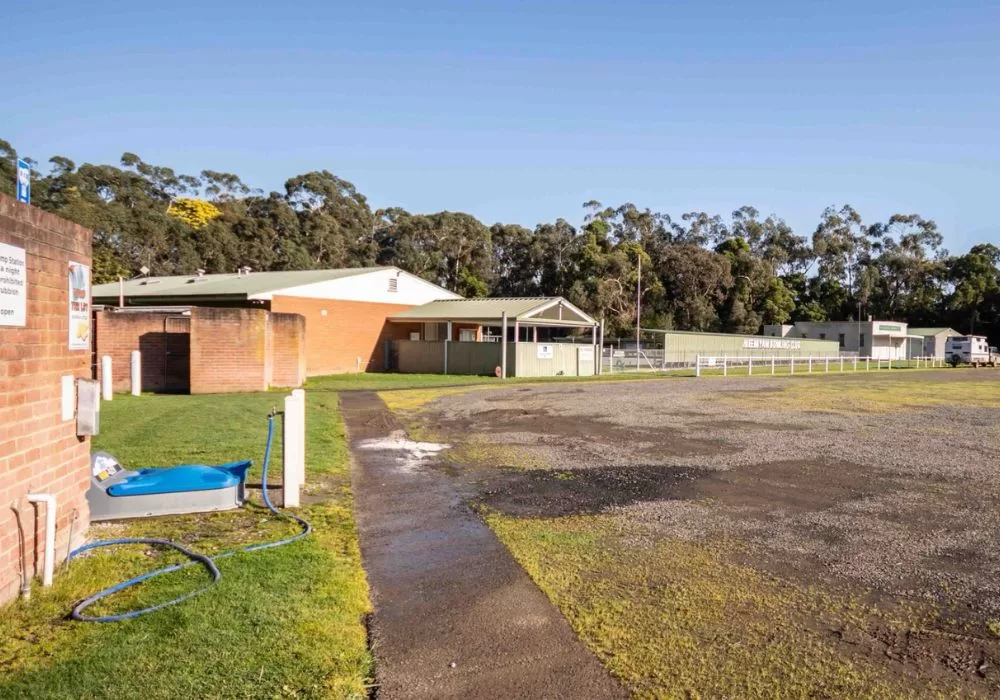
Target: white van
<point x="972" y="350"/>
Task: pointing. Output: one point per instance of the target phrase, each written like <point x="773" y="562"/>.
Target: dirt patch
<point x="763" y="490"/>
<point x="661" y="441"/>
<point x="559" y="492"/>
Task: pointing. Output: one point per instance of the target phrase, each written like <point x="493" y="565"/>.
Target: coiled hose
<point x="194" y="557"/>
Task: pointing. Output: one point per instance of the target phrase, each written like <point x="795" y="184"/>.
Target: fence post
<point x="841" y="363"/>
<point x="810" y="364"/>
<point x="725" y="367"/>
<point x="772" y="364"/>
<point x="750" y="365"/>
<point x="697" y="365"/>
<point x="826" y="366"/>
<point x="792" y="365"/>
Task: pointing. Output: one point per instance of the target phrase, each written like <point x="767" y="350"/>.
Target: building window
<point x="393" y="284"/>
<point x="822" y="336"/>
<point x="840" y="339"/>
<point x="861" y="342"/>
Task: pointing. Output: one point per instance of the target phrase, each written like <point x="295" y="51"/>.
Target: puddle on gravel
<point x="410" y="455"/>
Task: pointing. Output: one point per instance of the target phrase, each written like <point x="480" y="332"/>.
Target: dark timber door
<point x="177" y="354"/>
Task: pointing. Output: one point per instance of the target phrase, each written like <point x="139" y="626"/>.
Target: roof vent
<point x="393" y="284"/>
<point x="145" y="282"/>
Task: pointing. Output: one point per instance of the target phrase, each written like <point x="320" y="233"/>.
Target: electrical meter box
<point x="88" y="405"/>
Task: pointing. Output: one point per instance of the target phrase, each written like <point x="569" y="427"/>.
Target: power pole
<point x="638" y="308"/>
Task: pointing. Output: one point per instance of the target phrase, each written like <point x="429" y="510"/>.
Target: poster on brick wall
<point x="79" y="306"/>
<point x="13" y="286"/>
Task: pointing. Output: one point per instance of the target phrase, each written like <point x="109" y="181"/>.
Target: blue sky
<point x="521" y="111"/>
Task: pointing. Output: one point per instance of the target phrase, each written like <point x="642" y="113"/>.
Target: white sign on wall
<point x="79" y="306"/>
<point x="544" y="352"/>
<point x="586" y="354"/>
<point x="13" y="286"/>
<point x="771" y="344"/>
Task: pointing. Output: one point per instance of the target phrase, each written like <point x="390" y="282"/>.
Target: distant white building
<point x="882" y="340"/>
<point x="934" y="340"/>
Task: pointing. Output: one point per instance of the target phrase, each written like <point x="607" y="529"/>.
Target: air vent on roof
<point x="145" y="282"/>
<point x="393" y="284"/>
<point x="196" y="280"/>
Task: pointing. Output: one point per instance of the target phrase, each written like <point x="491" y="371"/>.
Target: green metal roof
<point x="490" y="310"/>
<point x="223" y="285"/>
<point x="932" y="331"/>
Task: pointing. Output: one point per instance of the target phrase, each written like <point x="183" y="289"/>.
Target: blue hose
<point x="195" y="557"/>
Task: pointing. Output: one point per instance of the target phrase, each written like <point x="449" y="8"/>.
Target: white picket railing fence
<point x="807" y="365"/>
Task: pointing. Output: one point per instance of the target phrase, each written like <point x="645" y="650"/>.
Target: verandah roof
<point x="527" y="311"/>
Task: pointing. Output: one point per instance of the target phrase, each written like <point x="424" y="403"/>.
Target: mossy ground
<point x="883" y="393"/>
<point x="674" y="618"/>
<point x="286" y="622"/>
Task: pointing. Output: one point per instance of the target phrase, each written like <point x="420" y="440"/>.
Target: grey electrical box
<point x="88" y="406"/>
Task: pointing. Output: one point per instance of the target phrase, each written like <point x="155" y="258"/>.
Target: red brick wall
<point x="348" y="330"/>
<point x="118" y="333"/>
<point x="288" y="349"/>
<point x="228" y="350"/>
<point x="38" y="450"/>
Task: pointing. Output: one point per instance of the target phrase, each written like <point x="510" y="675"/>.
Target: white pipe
<point x="106" y="378"/>
<point x="136" y="373"/>
<point x="50" y="533"/>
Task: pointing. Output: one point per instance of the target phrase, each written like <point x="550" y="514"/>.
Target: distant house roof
<point x="233" y="286"/>
<point x="541" y="311"/>
<point x="933" y="331"/>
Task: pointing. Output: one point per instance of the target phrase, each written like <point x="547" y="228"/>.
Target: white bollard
<point x="810" y="364"/>
<point x="300" y="396"/>
<point x="750" y="365"/>
<point x="106" y="378"/>
<point x="826" y="367"/>
<point x="293" y="474"/>
<point x="697" y="365"/>
<point x="791" y="366"/>
<point x="772" y="364"/>
<point x="725" y="366"/>
<point x="136" y="373"/>
<point x="841" y="363"/>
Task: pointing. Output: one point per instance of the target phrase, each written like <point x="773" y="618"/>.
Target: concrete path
<point x="445" y="590"/>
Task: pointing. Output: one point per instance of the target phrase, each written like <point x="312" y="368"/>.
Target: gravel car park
<point x="826" y="535"/>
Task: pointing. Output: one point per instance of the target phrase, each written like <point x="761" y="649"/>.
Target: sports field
<point x="789" y="537"/>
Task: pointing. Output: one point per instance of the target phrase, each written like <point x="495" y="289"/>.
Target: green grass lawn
<point x="286" y="622"/>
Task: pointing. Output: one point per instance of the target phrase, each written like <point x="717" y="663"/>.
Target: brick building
<point x="44" y="346"/>
<point x="184" y="332"/>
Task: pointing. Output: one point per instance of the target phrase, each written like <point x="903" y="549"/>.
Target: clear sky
<point x="520" y="111"/>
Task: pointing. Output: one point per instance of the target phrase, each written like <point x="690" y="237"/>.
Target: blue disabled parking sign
<point x="23" y="181"/>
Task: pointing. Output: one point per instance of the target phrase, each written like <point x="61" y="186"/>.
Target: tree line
<point x="699" y="271"/>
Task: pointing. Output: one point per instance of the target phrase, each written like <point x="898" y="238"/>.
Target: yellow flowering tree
<point x="195" y="212"/>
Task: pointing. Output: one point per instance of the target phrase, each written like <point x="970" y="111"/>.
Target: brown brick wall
<point x="288" y="349"/>
<point x="38" y="450"/>
<point x="347" y="331"/>
<point x="118" y="333"/>
<point x="228" y="350"/>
